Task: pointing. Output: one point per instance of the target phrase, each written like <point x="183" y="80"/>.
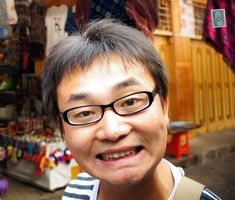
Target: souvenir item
<point x="2" y="154"/>
<point x="3" y="185"/>
<point x="67" y="155"/>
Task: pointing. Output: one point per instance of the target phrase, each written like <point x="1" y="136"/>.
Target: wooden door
<point x="214" y="88"/>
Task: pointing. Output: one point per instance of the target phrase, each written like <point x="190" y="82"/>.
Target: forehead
<point x="112" y="66"/>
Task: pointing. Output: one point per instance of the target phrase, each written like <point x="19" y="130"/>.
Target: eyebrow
<point x="78" y="97"/>
<point x="126" y="83"/>
<point x="123" y="84"/>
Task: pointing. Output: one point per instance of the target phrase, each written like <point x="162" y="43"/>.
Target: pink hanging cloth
<point x="222" y="38"/>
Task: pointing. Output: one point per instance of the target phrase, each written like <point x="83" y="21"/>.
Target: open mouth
<point x="119" y="155"/>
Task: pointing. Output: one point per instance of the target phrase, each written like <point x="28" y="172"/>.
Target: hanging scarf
<point x="223" y="38"/>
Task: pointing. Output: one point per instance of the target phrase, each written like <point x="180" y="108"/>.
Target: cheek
<point x="154" y="125"/>
<point x="154" y="119"/>
<point x="78" y="142"/>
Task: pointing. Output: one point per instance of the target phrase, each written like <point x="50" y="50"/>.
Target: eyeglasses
<point x="127" y="105"/>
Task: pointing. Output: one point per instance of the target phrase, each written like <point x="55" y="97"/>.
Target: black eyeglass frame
<point x="151" y="96"/>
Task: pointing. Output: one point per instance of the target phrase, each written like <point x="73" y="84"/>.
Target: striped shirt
<point x="85" y="187"/>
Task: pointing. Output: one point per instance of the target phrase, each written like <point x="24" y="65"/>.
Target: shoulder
<point x="83" y="187"/>
<point x="208" y="195"/>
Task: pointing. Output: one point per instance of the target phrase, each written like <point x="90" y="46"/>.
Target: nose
<point x="113" y="126"/>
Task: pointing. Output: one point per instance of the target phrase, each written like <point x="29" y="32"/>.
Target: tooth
<point x="118" y="155"/>
<point x="122" y="154"/>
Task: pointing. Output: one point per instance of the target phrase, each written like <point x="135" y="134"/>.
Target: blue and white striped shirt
<point x="85" y="187"/>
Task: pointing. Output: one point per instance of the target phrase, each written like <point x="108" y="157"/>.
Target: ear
<point x="165" y="108"/>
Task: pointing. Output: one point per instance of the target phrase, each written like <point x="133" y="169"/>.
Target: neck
<point x="158" y="185"/>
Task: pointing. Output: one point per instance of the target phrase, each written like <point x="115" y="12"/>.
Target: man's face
<point x="121" y="150"/>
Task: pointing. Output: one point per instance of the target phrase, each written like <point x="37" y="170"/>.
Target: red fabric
<point x="82" y="13"/>
<point x="144" y="13"/>
<point x="222" y="39"/>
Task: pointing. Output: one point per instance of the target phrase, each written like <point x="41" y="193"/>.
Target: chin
<point x="126" y="179"/>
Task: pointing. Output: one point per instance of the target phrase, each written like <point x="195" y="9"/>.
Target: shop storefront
<point x="31" y="147"/>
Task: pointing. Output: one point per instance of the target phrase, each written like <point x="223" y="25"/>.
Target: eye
<point x="130" y="102"/>
<point x="83" y="114"/>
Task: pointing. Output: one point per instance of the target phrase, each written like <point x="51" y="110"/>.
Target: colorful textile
<point x="55" y="22"/>
<point x="222" y="39"/>
<point x="3" y="13"/>
<point x="144" y="13"/>
<point x="141" y="14"/>
<point x="82" y="13"/>
<point x="99" y="9"/>
<point x="110" y="9"/>
<point x="70" y="25"/>
<point x="11" y="12"/>
<point x="37" y="29"/>
<point x="23" y="12"/>
<point x="3" y="20"/>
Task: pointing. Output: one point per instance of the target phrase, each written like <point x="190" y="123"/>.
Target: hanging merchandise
<point x="3" y="185"/>
<point x="70" y="25"/>
<point x="98" y="9"/>
<point x="43" y="151"/>
<point x="219" y="28"/>
<point x="24" y="21"/>
<point x="145" y="15"/>
<point x="2" y="154"/>
<point x="142" y="14"/>
<point x="11" y="12"/>
<point x="31" y="98"/>
<point x="187" y="20"/>
<point x="37" y="29"/>
<point x="55" y="23"/>
<point x="3" y="19"/>
<point x="23" y="12"/>
<point x="9" y="47"/>
<point x="3" y="13"/>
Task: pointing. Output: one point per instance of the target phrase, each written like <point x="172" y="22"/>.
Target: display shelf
<point x="3" y="122"/>
<point x="39" y="160"/>
<point x="8" y="68"/>
<point x="9" y="94"/>
<point x="8" y="97"/>
<point x="51" y="180"/>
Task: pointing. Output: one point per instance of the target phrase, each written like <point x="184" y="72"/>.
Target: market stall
<point x="41" y="160"/>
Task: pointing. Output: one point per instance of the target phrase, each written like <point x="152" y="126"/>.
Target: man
<point x="107" y="90"/>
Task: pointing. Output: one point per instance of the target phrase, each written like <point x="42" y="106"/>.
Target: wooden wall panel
<point x="214" y="88"/>
<point x="232" y="96"/>
<point x="184" y="88"/>
<point x="210" y="89"/>
<point x="199" y="86"/>
<point x="202" y="85"/>
<point x="49" y="3"/>
<point x="177" y="56"/>
<point x="202" y="2"/>
<point x="184" y="96"/>
<point x="164" y="47"/>
<point x="219" y="80"/>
